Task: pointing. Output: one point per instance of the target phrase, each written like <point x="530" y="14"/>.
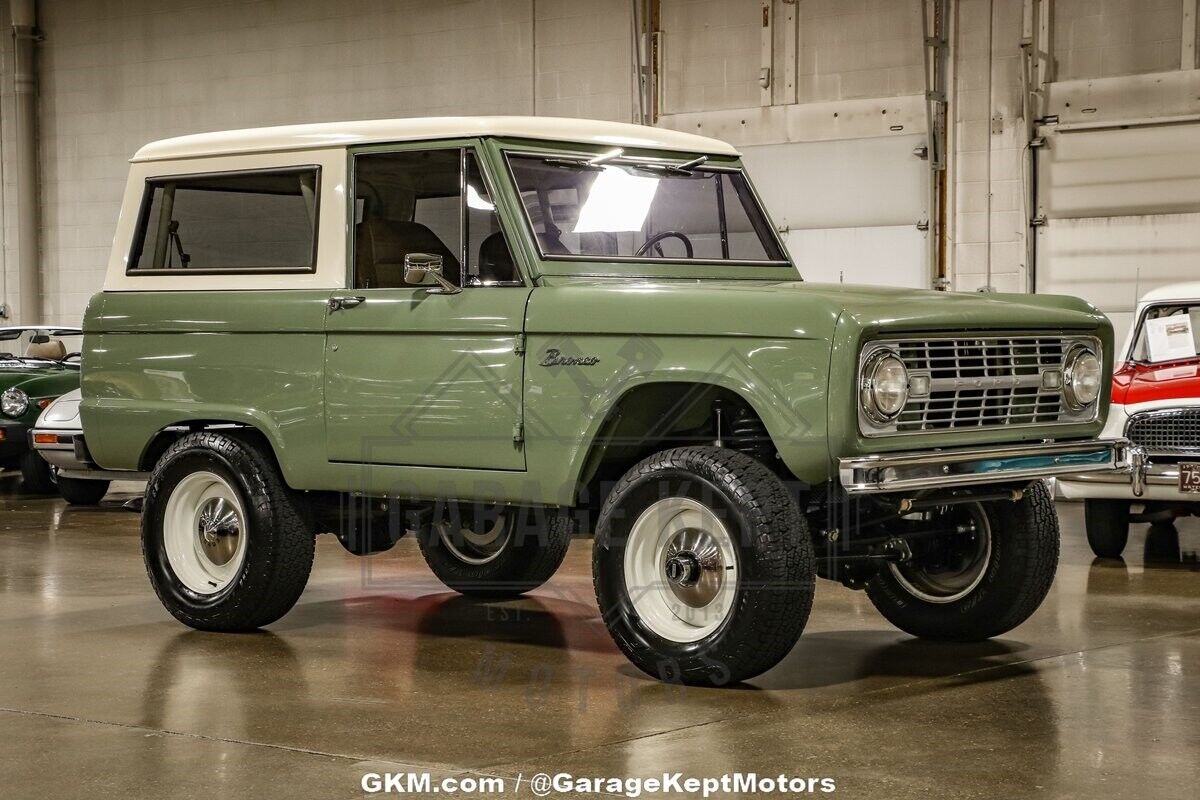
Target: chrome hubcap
<point x="219" y="530"/>
<point x="694" y="568"/>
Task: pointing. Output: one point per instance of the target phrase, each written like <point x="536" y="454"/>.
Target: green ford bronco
<point x="495" y="332"/>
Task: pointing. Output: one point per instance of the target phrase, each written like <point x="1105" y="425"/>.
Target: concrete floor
<point x="103" y="695"/>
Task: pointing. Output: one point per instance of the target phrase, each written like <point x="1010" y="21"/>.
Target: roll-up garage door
<point x="1122" y="213"/>
<point x="849" y="210"/>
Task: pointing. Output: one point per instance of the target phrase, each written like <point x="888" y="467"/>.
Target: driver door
<point x="419" y="377"/>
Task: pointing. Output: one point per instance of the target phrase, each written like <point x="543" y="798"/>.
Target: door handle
<point x="339" y="303"/>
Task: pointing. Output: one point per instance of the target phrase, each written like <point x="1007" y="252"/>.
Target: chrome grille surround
<point x="1166" y="432"/>
<point x="980" y="382"/>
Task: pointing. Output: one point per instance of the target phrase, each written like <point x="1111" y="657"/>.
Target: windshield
<point x="1168" y="333"/>
<point x="38" y="345"/>
<point x="642" y="210"/>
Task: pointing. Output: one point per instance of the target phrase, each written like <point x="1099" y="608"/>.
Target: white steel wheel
<point x="476" y="546"/>
<point x="681" y="569"/>
<point x="955" y="565"/>
<point x="205" y="533"/>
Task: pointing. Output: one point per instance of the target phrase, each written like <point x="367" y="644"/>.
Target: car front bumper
<point x="939" y="469"/>
<point x="62" y="452"/>
<point x="68" y="453"/>
<point x="1160" y="483"/>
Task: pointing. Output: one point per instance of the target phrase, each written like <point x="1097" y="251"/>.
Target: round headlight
<point x="14" y="402"/>
<point x="1082" y="376"/>
<point x="884" y="389"/>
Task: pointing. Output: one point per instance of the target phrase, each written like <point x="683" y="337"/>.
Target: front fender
<point x="783" y="380"/>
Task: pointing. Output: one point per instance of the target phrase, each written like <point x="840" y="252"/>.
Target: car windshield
<point x="629" y="209"/>
<point x="1169" y="332"/>
<point x="38" y="345"/>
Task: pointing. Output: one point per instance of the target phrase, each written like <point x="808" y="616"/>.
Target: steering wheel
<point x="654" y="240"/>
<point x="69" y="356"/>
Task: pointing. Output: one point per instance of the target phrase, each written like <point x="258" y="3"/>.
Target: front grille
<point x="984" y="382"/>
<point x="1175" y="432"/>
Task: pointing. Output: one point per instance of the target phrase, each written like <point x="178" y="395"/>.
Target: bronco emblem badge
<point x="555" y="358"/>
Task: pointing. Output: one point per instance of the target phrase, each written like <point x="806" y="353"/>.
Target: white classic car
<point x="1156" y="405"/>
<point x="58" y="438"/>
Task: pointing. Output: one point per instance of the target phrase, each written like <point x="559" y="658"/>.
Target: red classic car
<point x="1156" y="405"/>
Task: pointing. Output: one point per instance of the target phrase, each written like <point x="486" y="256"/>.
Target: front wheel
<point x="984" y="576"/>
<point x="225" y="541"/>
<point x="82" y="492"/>
<point x="36" y="477"/>
<point x="703" y="566"/>
<point x="1107" y="525"/>
<point x="495" y="551"/>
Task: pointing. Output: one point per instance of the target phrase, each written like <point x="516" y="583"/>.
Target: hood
<point x="796" y="309"/>
<point x="63" y="412"/>
<point x="38" y="381"/>
<point x="1145" y="383"/>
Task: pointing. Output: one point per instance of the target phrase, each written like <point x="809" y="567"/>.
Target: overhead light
<point x="476" y="200"/>
<point x="618" y="201"/>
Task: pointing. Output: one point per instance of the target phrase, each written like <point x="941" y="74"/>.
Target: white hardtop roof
<point x="343" y="134"/>
<point x="1176" y="291"/>
<point x="41" y="328"/>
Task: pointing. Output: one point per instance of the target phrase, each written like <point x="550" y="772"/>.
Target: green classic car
<point x="37" y="364"/>
<point x="493" y="332"/>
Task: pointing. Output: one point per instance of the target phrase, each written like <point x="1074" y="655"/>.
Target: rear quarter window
<point x="256" y="221"/>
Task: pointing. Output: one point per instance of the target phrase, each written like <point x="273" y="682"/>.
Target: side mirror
<point x="418" y="266"/>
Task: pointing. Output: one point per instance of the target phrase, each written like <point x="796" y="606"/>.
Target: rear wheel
<point x="79" y="492"/>
<point x="703" y="566"/>
<point x="501" y="551"/>
<point x="36" y="477"/>
<point x="1107" y="524"/>
<point x="985" y="576"/>
<point x="226" y="544"/>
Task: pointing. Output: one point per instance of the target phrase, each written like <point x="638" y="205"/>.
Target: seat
<point x="380" y="246"/>
<point x="495" y="260"/>
<point x="53" y="350"/>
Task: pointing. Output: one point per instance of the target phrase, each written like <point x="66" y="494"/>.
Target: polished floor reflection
<point x="103" y="695"/>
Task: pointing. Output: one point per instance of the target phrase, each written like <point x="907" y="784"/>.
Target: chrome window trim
<point x="581" y="156"/>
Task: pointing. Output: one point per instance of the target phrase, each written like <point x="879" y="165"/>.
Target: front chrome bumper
<point x="937" y="469"/>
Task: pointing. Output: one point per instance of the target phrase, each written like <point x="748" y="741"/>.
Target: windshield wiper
<point x="686" y="168"/>
<point x="597" y="163"/>
<point x="583" y="162"/>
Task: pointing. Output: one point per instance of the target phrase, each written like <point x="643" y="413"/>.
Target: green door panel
<point x="429" y="380"/>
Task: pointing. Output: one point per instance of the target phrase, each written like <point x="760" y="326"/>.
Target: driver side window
<point x="417" y="201"/>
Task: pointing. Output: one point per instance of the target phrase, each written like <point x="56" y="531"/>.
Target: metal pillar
<point x="25" y="35"/>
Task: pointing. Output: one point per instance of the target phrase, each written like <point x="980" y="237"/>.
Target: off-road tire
<point x="1024" y="559"/>
<point x="1107" y="526"/>
<point x="36" y="477"/>
<point x="280" y="547"/>
<point x="534" y="552"/>
<point x="777" y="572"/>
<point x="82" y="492"/>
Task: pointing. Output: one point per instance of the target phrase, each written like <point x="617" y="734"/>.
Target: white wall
<point x="846" y="102"/>
<point x="115" y="75"/>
